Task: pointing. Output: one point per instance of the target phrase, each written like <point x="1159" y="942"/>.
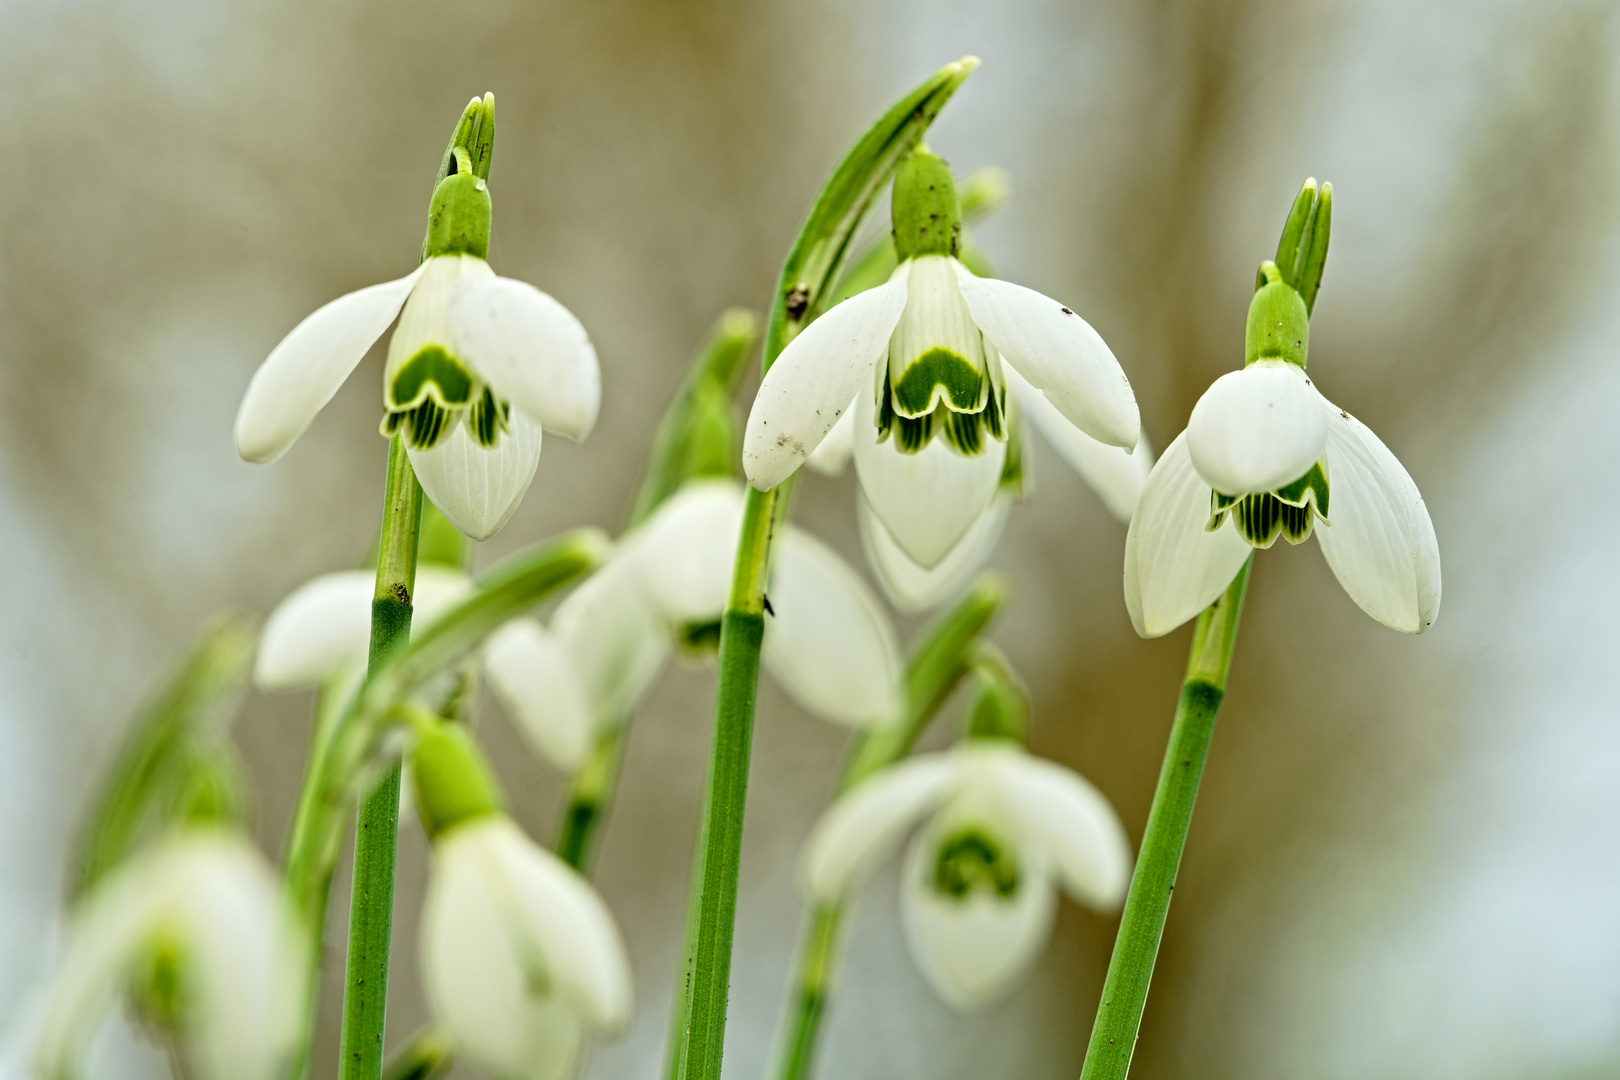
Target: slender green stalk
<point x="936" y="666"/>
<point x="376" y="832"/>
<point x="1130" y="970"/>
<point x="802" y="291"/>
<point x="590" y="794"/>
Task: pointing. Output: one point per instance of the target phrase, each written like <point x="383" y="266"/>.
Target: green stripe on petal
<point x="431" y="370"/>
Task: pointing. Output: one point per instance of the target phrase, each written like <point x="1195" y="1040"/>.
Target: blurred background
<point x="1404" y="862"/>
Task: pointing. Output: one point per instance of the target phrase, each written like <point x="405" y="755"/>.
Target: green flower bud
<point x="453" y="782"/>
<point x="1279" y="326"/>
<point x="927" y="215"/>
<point x="458" y="219"/>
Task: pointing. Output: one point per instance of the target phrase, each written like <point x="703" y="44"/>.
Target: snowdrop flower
<point x="1000" y="832"/>
<point x="1266" y="455"/>
<point x="921" y="359"/>
<point x="520" y="957"/>
<point x="477" y="366"/>
<point x="193" y="934"/>
<point x="827" y="639"/>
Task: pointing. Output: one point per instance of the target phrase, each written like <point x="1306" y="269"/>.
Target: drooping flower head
<point x="477" y="366"/>
<point x="1266" y="455"/>
<point x="925" y="362"/>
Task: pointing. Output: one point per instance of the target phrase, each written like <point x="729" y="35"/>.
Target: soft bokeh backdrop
<point x="1404" y="862"/>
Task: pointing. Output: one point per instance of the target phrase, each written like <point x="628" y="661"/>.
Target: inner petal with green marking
<point x="971" y="860"/>
<point x="1290" y="512"/>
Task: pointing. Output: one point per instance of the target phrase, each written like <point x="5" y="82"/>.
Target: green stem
<point x="371" y="902"/>
<point x="935" y="668"/>
<point x="590" y="794"/>
<point x="1130" y="970"/>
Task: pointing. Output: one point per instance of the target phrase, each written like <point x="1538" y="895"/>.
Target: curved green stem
<point x="1130" y="970"/>
<point x="590" y="794"/>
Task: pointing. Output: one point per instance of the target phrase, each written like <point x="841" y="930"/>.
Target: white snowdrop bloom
<point x="193" y="934"/>
<point x="1001" y="831"/>
<point x="1266" y="455"/>
<point x="520" y="957"/>
<point x="921" y="357"/>
<point x="477" y="366"/>
<point x="828" y="640"/>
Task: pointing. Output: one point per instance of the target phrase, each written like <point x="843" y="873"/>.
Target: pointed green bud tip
<point x="927" y="213"/>
<point x="1279" y="326"/>
<point x="453" y="782"/>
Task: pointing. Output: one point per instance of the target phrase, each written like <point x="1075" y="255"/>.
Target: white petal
<point x="973" y="949"/>
<point x="915" y="589"/>
<point x="479" y="489"/>
<point x="1115" y="474"/>
<point x="485" y="975"/>
<point x="829" y="642"/>
<point x="811" y="384"/>
<point x="322" y="625"/>
<point x="927" y="500"/>
<point x="831" y="455"/>
<point x="212" y="895"/>
<point x="685" y="551"/>
<point x="1061" y="811"/>
<point x="1381" y="545"/>
<point x="617" y="640"/>
<point x="865" y="823"/>
<point x="530" y="349"/>
<point x="1257" y="429"/>
<point x="303" y="372"/>
<point x="1173" y="568"/>
<point x="534" y="675"/>
<point x="1059" y="353"/>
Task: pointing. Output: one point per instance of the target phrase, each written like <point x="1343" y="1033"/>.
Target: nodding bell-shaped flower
<point x="1001" y="831"/>
<point x="194" y="936"/>
<point x="1266" y="455"/>
<point x="521" y="959"/>
<point x="828" y="640"/>
<point x="477" y="366"/>
<point x="919" y="361"/>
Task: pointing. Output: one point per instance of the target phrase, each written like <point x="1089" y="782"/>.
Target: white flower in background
<point x="194" y="936"/>
<point x="520" y="957"/>
<point x="477" y="366"/>
<point x="827" y="639"/>
<point x="1001" y="832"/>
<point x="1117" y="476"/>
<point x="1266" y="455"/>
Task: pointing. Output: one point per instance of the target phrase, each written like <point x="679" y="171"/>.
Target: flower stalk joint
<point x="927" y="215"/>
<point x="459" y="216"/>
<point x="1279" y="326"/>
<point x="454" y="784"/>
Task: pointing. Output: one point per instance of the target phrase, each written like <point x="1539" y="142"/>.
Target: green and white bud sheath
<point x="521" y="958"/>
<point x="194" y="936"/>
<point x="1001" y="832"/>
<point x="478" y="364"/>
<point x="930" y="364"/>
<point x="1266" y="455"/>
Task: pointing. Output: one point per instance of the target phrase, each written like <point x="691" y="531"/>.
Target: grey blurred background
<point x="1404" y="862"/>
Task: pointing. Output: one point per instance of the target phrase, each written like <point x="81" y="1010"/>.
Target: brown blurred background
<point x="1405" y="861"/>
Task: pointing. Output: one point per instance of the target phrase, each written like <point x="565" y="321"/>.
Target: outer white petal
<point x="618" y="641"/>
<point x="322" y="625"/>
<point x="1173" y="568"/>
<point x="1061" y="811"/>
<point x="829" y="641"/>
<point x="831" y="455"/>
<point x="915" y="589"/>
<point x="479" y="489"/>
<point x="486" y="975"/>
<point x="975" y="949"/>
<point x="212" y="895"/>
<point x="303" y="372"/>
<point x="534" y="675"/>
<point x="1381" y="545"/>
<point x="530" y="349"/>
<point x="865" y="823"/>
<point x="927" y="500"/>
<point x="1115" y="474"/>
<point x="1059" y="353"/>
<point x="812" y="383"/>
<point x="1257" y="429"/>
<point x="684" y="552"/>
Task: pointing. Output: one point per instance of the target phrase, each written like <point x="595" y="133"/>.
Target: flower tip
<point x="968" y="65"/>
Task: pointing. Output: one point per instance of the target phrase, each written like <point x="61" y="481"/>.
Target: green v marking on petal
<point x="961" y="380"/>
<point x="431" y="364"/>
